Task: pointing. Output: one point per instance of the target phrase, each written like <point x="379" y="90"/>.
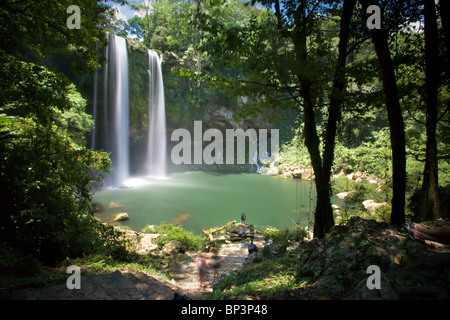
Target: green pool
<point x="199" y="200"/>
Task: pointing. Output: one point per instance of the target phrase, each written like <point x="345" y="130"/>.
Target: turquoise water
<point x="199" y="200"/>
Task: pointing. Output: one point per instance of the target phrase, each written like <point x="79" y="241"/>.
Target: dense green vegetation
<point x="47" y="170"/>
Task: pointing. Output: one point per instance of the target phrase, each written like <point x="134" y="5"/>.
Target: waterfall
<point x="255" y="160"/>
<point x="94" y="115"/>
<point x="111" y="130"/>
<point x="157" y="126"/>
<point x="105" y="131"/>
<point x="119" y="98"/>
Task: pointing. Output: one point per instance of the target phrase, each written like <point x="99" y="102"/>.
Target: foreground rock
<point x="372" y="206"/>
<point x="121" y="216"/>
<point x="117" y="285"/>
<point x="141" y="243"/>
<point x="276" y="250"/>
<point x="240" y="232"/>
<point x="172" y="247"/>
<point x="339" y="263"/>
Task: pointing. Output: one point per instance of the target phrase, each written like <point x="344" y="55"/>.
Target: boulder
<point x="256" y="257"/>
<point x="277" y="250"/>
<point x="113" y="205"/>
<point x="142" y="243"/>
<point x="121" y="216"/>
<point x="386" y="291"/>
<point x="172" y="247"/>
<point x="372" y="206"/>
<point x="147" y="243"/>
<point x="240" y="232"/>
<point x="342" y="195"/>
<point x="331" y="285"/>
<point x="308" y="174"/>
<point x="273" y="171"/>
<point x="296" y="175"/>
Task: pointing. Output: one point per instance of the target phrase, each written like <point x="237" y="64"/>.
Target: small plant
<point x="285" y="236"/>
<point x="188" y="239"/>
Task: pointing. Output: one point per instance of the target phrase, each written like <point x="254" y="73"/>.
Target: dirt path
<point x="185" y="272"/>
<point x="125" y="285"/>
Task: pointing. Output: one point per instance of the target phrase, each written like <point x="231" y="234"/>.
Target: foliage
<point x="188" y="239"/>
<point x="46" y="178"/>
<point x="285" y="236"/>
<point x="372" y="157"/>
<point x="294" y="152"/>
<point x="41" y="27"/>
<point x="265" y="280"/>
<point x="163" y="25"/>
<point x="98" y="263"/>
<point x="46" y="171"/>
<point x="75" y="122"/>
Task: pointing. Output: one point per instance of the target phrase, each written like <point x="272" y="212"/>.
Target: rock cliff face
<point x="186" y="101"/>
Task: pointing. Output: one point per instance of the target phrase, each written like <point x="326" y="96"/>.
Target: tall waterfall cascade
<point x="157" y="163"/>
<point x="94" y="112"/>
<point x="111" y="124"/>
<point x="120" y="153"/>
<point x="112" y="120"/>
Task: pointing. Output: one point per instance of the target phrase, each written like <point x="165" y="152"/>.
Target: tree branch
<point x="409" y="112"/>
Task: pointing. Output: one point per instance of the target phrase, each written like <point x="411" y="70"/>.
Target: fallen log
<point x="210" y="233"/>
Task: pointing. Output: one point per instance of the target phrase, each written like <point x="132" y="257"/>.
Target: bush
<point x="46" y="173"/>
<point x="285" y="236"/>
<point x="361" y="190"/>
<point x="188" y="239"/>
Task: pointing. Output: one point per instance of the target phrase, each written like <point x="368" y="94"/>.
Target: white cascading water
<point x="105" y="136"/>
<point x="157" y="127"/>
<point x="94" y="115"/>
<point x="119" y="96"/>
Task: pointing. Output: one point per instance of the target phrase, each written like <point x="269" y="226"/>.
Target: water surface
<point x="199" y="200"/>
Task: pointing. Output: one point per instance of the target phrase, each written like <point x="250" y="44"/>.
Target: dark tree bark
<point x="396" y="125"/>
<point x="339" y="82"/>
<point x="429" y="206"/>
<point x="323" y="218"/>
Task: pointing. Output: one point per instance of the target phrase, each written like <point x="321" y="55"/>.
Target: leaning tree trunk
<point x="429" y="206"/>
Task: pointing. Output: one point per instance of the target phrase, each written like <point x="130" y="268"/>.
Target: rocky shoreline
<point x="306" y="173"/>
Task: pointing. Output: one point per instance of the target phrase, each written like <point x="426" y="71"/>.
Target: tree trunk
<point x="429" y="207"/>
<point x="323" y="217"/>
<point x="323" y="214"/>
<point x="396" y="125"/>
<point x="337" y="94"/>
